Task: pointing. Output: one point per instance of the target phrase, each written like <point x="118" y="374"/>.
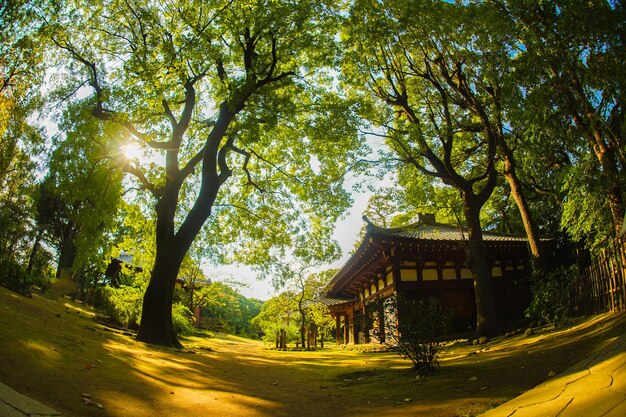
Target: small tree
<point x="306" y="290"/>
<point x="419" y="330"/>
<point x="319" y="314"/>
<point x="550" y="303"/>
<point x="277" y="313"/>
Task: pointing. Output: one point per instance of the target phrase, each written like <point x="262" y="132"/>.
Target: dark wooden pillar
<point x="338" y="328"/>
<point x="355" y="329"/>
<point x="346" y="329"/>
<point x="381" y="321"/>
<point x="366" y="329"/>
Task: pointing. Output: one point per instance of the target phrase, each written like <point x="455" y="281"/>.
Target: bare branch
<point x="146" y="184"/>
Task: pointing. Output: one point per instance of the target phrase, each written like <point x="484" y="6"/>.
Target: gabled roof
<point x="425" y="230"/>
<point x="435" y="231"/>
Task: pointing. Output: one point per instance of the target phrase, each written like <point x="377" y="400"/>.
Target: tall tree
<point x="21" y="141"/>
<point x="439" y="110"/>
<point x="79" y="197"/>
<point x="570" y="53"/>
<point x="227" y="91"/>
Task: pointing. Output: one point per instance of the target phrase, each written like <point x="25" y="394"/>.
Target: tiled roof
<point x="437" y="231"/>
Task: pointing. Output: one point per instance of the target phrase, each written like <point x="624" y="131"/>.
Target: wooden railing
<point x="601" y="286"/>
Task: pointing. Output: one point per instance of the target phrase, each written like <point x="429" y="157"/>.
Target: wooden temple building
<point x="422" y="260"/>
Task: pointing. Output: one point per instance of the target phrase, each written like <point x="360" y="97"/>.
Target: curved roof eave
<point x="425" y="229"/>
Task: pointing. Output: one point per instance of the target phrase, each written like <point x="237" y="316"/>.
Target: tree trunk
<point x="67" y="253"/>
<point x="530" y="226"/>
<point x="612" y="174"/>
<point x="302" y="322"/>
<point x="33" y="252"/>
<point x="156" y="316"/>
<point x="486" y="317"/>
<point x="156" y="325"/>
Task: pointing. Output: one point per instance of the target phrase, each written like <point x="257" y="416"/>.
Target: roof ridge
<point x="421" y="222"/>
<point x="370" y="226"/>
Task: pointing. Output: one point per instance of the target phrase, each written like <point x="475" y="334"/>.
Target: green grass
<point x="54" y="350"/>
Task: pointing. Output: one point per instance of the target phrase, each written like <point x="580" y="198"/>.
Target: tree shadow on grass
<point x="57" y="354"/>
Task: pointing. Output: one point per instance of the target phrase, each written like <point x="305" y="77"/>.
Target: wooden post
<point x="346" y="329"/>
<point x="338" y="328"/>
<point x="608" y="279"/>
<point x="612" y="280"/>
<point x="621" y="245"/>
<point x="619" y="257"/>
<point x="313" y="334"/>
<point x="355" y="329"/>
<point x="605" y="283"/>
<point x="366" y="327"/>
<point x="381" y="321"/>
<point x="283" y="339"/>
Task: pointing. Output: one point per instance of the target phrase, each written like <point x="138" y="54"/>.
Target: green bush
<point x="419" y="331"/>
<point x="550" y="302"/>
<point x="182" y="319"/>
<point x="13" y="276"/>
<point x="120" y="305"/>
<point x="270" y="330"/>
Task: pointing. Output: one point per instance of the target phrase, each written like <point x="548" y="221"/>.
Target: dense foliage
<point x="551" y="292"/>
<point x="191" y="133"/>
<point x="279" y="312"/>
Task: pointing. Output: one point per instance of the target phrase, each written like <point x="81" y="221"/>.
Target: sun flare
<point x="131" y="151"/>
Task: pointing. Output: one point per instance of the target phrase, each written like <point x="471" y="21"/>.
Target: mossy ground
<point x="54" y="351"/>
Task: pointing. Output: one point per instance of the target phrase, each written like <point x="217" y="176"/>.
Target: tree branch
<point x="169" y="114"/>
<point x="189" y="168"/>
<point x="147" y="185"/>
<point x="247" y="156"/>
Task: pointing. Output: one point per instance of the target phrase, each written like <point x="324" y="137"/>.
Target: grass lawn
<point x="54" y="351"/>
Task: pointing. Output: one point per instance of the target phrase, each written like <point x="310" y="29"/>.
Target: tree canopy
<point x="227" y="93"/>
<point x="226" y="129"/>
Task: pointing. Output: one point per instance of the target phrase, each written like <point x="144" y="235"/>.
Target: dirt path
<point x="55" y="352"/>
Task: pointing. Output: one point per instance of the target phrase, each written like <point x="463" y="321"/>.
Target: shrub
<point x="182" y="319"/>
<point x="550" y="302"/>
<point x="13" y="276"/>
<point x="270" y="330"/>
<point x="419" y="331"/>
<point x="120" y="305"/>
